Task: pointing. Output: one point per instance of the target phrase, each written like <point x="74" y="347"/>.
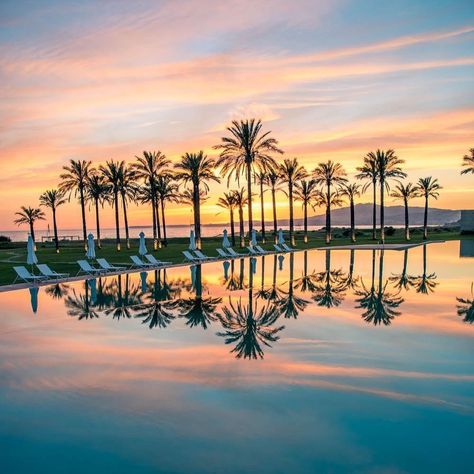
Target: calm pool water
<point x="321" y="362"/>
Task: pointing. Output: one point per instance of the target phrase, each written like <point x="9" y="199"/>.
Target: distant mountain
<point x="394" y="215"/>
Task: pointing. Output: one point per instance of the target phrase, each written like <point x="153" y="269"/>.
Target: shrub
<point x="389" y="230"/>
<point x="4" y="239"/>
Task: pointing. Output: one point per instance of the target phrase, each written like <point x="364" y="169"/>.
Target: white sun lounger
<point x="278" y="249"/>
<point x="201" y="256"/>
<point x="23" y="274"/>
<point x="86" y="267"/>
<point x="47" y="272"/>
<point x="107" y="266"/>
<point x="222" y="253"/>
<point x="154" y="261"/>
<point x="287" y="248"/>
<point x="261" y="250"/>
<point x="138" y="262"/>
<point x="190" y="257"/>
<point x="233" y="253"/>
<point x="252" y="251"/>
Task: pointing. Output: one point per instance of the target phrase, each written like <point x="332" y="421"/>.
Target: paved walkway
<point x="380" y="246"/>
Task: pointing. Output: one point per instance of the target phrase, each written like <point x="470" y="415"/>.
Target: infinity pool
<point x="319" y="361"/>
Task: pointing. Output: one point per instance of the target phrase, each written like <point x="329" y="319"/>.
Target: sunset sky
<point x="333" y="80"/>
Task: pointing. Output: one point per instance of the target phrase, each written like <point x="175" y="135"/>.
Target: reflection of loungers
<point x="23" y="274"/>
<point x="107" y="266"/>
<point x="201" y="256"/>
<point x="137" y="262"/>
<point x="47" y="272"/>
<point x="154" y="261"/>
<point x="86" y="267"/>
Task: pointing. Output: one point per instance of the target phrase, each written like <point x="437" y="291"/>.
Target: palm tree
<point x="74" y="180"/>
<point x="29" y="215"/>
<point x="228" y="202"/>
<point x="388" y="167"/>
<point x="53" y="198"/>
<point x="351" y="191"/>
<point x="245" y="148"/>
<point x="427" y="187"/>
<point x="241" y="201"/>
<point x="196" y="169"/>
<point x="468" y="162"/>
<point x="98" y="191"/>
<point x="274" y="181"/>
<point x="128" y="191"/>
<point x="405" y="192"/>
<point x="466" y="308"/>
<point x="167" y="190"/>
<point x="368" y="171"/>
<point x="292" y="172"/>
<point x="148" y="167"/>
<point x="334" y="199"/>
<point x="329" y="174"/>
<point x="307" y="192"/>
<point x="261" y="178"/>
<point x="111" y="172"/>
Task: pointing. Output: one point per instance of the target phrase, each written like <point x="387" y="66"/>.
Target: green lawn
<point x="15" y="253"/>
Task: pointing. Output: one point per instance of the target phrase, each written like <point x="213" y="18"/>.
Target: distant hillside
<point x="394" y="215"/>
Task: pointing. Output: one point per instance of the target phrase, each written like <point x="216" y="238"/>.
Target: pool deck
<point x="84" y="276"/>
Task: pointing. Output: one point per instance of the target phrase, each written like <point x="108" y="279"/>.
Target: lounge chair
<point x="86" y="267"/>
<point x="261" y="250"/>
<point x="233" y="253"/>
<point x="138" y="262"/>
<point x="201" y="256"/>
<point x="103" y="263"/>
<point x="222" y="253"/>
<point x="47" y="272"/>
<point x="154" y="261"/>
<point x="190" y="257"/>
<point x="252" y="251"/>
<point x="287" y="248"/>
<point x="23" y="274"/>
<point x="278" y="248"/>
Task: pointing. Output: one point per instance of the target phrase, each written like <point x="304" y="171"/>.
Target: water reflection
<point x="252" y="294"/>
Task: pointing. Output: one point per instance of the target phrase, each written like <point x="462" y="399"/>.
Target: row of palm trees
<point x="247" y="151"/>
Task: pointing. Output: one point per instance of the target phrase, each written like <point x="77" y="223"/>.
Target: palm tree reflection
<point x="426" y="283"/>
<point x="466" y="308"/>
<point x="379" y="304"/>
<point x="57" y="291"/>
<point x="272" y="293"/>
<point x="329" y="291"/>
<point x="290" y="304"/>
<point x="403" y="281"/>
<point x="307" y="282"/>
<point x="249" y="325"/>
<point x="79" y="304"/>
<point x="125" y="300"/>
<point x="198" y="311"/>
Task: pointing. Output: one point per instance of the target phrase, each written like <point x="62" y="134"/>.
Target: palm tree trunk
<point x="407" y="224"/>
<point x="117" y="222"/>
<point x="158" y="225"/>
<point x="290" y="199"/>
<point x="405" y="262"/>
<point x="373" y="271"/>
<point x="305" y="222"/>
<point x="241" y="228"/>
<point x="125" y="220"/>
<point x="328" y="214"/>
<point x="83" y="214"/>
<point x="153" y="212"/>
<point x="97" y="222"/>
<point x="374" y="211"/>
<point x="232" y="230"/>
<point x="262" y="212"/>
<point x="55" y="228"/>
<point x="275" y="222"/>
<point x="382" y="210"/>
<point x="351" y="264"/>
<point x="249" y="196"/>
<point x="165" y="241"/>
<point x="425" y="220"/>
<point x="353" y="234"/>
<point x="197" y="215"/>
<point x="32" y="231"/>
<point x="381" y="272"/>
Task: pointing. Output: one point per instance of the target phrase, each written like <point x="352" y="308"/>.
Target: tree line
<point x="245" y="152"/>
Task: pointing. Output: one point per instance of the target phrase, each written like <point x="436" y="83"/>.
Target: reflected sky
<point x="299" y="365"/>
